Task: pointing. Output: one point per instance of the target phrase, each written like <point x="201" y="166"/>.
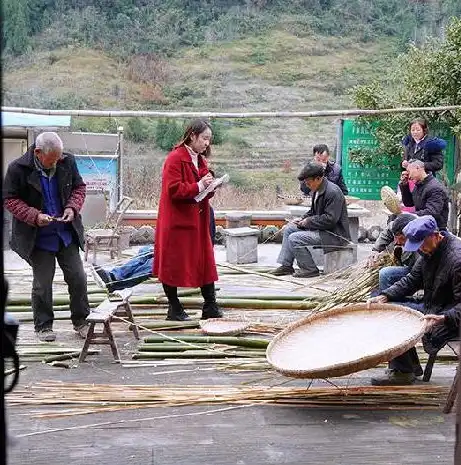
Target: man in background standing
<point x="333" y="172"/>
<point x="45" y="193"/>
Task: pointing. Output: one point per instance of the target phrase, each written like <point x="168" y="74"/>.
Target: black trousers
<point x="43" y="266"/>
<point x="407" y="362"/>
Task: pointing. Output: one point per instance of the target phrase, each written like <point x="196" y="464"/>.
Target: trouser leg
<point x="286" y="256"/>
<point x="43" y="268"/>
<point x="390" y="275"/>
<point x="300" y="243"/>
<point x="407" y="362"/>
<point x="74" y="275"/>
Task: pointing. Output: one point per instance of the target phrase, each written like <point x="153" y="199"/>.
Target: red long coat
<point x="183" y="254"/>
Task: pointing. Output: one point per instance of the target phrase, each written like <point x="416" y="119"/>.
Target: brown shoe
<point x="305" y="274"/>
<point x="283" y="270"/>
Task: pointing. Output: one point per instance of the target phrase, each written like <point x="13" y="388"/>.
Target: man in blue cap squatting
<point x="438" y="273"/>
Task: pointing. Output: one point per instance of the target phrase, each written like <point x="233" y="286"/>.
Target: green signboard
<point x="365" y="181"/>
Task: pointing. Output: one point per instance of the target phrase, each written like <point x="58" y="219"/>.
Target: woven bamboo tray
<point x="223" y="327"/>
<point x="391" y="200"/>
<point x="344" y="340"/>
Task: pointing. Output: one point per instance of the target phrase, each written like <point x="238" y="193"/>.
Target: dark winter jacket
<point x="439" y="275"/>
<point x="334" y="174"/>
<point x="429" y="197"/>
<point x="328" y="215"/>
<point x="22" y="196"/>
<point x="385" y="241"/>
<point x="429" y="150"/>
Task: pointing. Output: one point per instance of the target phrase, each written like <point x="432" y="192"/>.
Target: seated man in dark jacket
<point x="429" y="197"/>
<point x="333" y="171"/>
<point x="326" y="224"/>
<point x="392" y="240"/>
<point x="438" y="273"/>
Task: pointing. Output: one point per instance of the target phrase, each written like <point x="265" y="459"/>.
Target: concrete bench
<point x="117" y="305"/>
<point x="241" y="245"/>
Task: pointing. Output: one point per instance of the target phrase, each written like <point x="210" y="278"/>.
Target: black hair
<point x="400" y="222"/>
<point x="197" y="126"/>
<point x="311" y="170"/>
<point x="320" y="148"/>
<point x="422" y="122"/>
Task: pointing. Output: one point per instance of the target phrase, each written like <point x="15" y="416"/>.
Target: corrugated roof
<point x="24" y="120"/>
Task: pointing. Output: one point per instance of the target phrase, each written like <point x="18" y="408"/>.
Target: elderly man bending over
<point x="326" y="224"/>
<point x="45" y="192"/>
<point x="438" y="273"/>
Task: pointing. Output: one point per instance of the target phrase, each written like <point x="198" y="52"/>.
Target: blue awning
<point x="24" y="120"/>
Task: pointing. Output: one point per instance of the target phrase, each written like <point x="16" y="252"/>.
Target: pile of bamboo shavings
<point x="80" y="398"/>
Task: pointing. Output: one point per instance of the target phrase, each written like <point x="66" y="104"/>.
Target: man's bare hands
<point x="433" y="320"/>
<point x="379" y="299"/>
<point x="404" y="177"/>
<point x="43" y="220"/>
<point x="68" y="215"/>
<point x="303" y="223"/>
<point x="372" y="259"/>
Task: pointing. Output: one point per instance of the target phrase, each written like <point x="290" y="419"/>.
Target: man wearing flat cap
<point x="438" y="273"/>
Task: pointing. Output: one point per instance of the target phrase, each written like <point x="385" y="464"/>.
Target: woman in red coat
<point x="184" y="254"/>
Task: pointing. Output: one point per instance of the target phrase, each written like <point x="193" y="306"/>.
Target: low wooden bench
<point x="455" y="345"/>
<point x="118" y="304"/>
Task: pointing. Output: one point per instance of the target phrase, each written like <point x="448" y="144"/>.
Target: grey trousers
<point x="43" y="266"/>
<point x="295" y="247"/>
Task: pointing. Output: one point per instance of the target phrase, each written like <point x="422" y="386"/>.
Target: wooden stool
<point x="452" y="393"/>
<point x="103" y="314"/>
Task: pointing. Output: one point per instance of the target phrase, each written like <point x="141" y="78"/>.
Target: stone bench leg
<point x="338" y="260"/>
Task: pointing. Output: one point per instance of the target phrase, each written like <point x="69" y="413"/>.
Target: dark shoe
<point x="46" y="335"/>
<point x="305" y="274"/>
<point x="283" y="270"/>
<point x="82" y="330"/>
<point x="100" y="275"/>
<point x="211" y="311"/>
<point x="177" y="313"/>
<point x="394" y="378"/>
<point x="418" y="371"/>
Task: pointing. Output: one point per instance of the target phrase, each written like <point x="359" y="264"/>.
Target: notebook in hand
<point x="216" y="183"/>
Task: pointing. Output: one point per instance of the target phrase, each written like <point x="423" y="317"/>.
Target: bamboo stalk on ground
<point x="227" y="340"/>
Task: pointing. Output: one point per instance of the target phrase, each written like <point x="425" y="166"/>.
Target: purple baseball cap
<point x="417" y="230"/>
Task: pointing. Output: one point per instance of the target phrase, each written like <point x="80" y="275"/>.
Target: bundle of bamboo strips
<point x="361" y="280"/>
<point x="94" y="398"/>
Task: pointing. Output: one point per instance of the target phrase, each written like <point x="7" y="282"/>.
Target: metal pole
<point x="458" y="416"/>
<point x="120" y="162"/>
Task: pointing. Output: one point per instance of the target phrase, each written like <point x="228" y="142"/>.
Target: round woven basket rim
<point x="230" y="332"/>
<point x="293" y="202"/>
<point x="390" y="200"/>
<point x="346" y="368"/>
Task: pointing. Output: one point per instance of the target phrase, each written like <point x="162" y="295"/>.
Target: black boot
<point x="177" y="313"/>
<point x="210" y="307"/>
<point x="175" y="309"/>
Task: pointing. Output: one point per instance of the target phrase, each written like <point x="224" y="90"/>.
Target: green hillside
<point x="253" y="55"/>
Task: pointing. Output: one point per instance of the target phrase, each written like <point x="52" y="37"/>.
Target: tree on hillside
<point x="424" y="76"/>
